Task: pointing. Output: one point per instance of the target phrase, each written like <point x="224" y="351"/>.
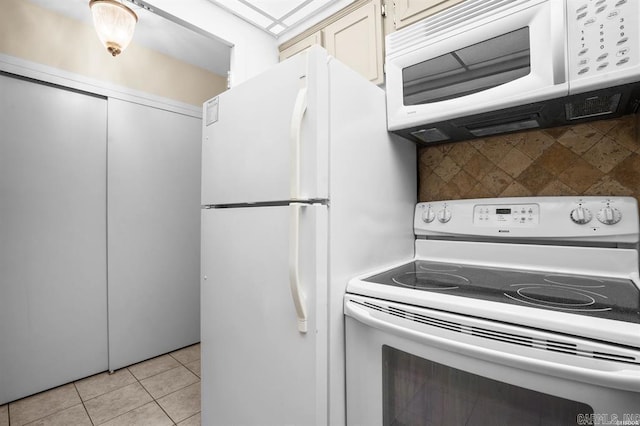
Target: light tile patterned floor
<point x="161" y="391"/>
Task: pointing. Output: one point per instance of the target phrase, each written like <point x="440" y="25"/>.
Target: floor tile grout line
<point x="159" y="405"/>
<point x="82" y="402"/>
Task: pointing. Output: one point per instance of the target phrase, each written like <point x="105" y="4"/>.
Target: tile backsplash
<point x="596" y="158"/>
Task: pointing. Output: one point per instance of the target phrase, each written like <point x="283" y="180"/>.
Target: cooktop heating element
<point x="612" y="298"/>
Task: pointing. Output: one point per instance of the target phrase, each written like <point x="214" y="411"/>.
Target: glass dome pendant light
<point x="114" y="23"/>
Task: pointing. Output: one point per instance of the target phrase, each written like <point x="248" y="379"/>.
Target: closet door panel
<point x="154" y="232"/>
<point x="53" y="290"/>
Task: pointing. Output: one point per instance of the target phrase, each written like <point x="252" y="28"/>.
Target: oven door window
<point x="421" y="392"/>
<point x="469" y="70"/>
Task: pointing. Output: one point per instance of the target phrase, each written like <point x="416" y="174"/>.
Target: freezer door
<point x="258" y="368"/>
<point x="263" y="136"/>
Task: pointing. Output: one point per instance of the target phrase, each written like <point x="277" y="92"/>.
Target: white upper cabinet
<point x="357" y="40"/>
<point x="354" y="36"/>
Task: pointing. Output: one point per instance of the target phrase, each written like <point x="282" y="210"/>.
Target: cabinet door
<point x="356" y="40"/>
<point x="303" y="44"/>
<point x="410" y="11"/>
<point x="53" y="272"/>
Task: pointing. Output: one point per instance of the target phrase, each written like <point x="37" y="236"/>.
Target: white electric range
<point x="526" y="307"/>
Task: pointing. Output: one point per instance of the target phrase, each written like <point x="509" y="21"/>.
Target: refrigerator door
<point x="267" y="139"/>
<point x="257" y="367"/>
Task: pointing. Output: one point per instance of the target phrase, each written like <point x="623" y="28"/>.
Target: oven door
<point x="410" y="365"/>
<point x="478" y="57"/>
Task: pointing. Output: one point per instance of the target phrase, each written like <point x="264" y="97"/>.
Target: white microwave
<point x="485" y="67"/>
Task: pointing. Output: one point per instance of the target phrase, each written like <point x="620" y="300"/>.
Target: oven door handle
<point x="613" y="378"/>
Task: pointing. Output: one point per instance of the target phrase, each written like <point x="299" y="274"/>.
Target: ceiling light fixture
<point x="114" y="23"/>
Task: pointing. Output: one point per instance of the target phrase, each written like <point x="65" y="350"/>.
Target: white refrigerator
<point x="302" y="189"/>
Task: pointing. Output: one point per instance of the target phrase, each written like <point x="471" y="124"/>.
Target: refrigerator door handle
<point x="294" y="267"/>
<point x="299" y="108"/>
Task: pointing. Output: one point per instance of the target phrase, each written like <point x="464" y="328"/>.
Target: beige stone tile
<point x="606" y="154"/>
<point x="515" y="190"/>
<point x="43" y="404"/>
<point x="429" y="187"/>
<point x="188" y="354"/>
<point x="465" y="182"/>
<point x="148" y="415"/>
<point x="481" y="191"/>
<point x="102" y="383"/>
<point x="557" y="158"/>
<point x="580" y="175"/>
<point x="478" y="166"/>
<point x="153" y="366"/>
<point x="182" y="404"/>
<point x="496" y="181"/>
<point x="462" y="152"/>
<point x="447" y="169"/>
<point x="76" y="416"/>
<point x="4" y="415"/>
<point x="169" y="381"/>
<point x="192" y="421"/>
<point x="604" y="126"/>
<point x="449" y="191"/>
<point x="515" y="162"/>
<point x="608" y="186"/>
<point x="534" y="178"/>
<point x="581" y="138"/>
<point x="430" y="157"/>
<point x="535" y="143"/>
<point x="625" y="132"/>
<point x="556" y="188"/>
<point x="628" y="172"/>
<point x="117" y="402"/>
<point x="557" y="132"/>
<point x="194" y="366"/>
<point x="495" y="148"/>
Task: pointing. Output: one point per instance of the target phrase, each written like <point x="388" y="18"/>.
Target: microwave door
<point x="494" y="60"/>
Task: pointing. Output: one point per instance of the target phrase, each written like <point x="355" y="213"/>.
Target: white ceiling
<point x="160" y="34"/>
<point x="185" y="42"/>
<point x="275" y="16"/>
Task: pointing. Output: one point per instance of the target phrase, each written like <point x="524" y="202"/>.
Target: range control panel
<point x="588" y="218"/>
<point x="518" y="215"/>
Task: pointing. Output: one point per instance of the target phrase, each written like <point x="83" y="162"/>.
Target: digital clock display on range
<point x="503" y="211"/>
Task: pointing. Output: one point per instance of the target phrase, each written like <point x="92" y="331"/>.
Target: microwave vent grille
<point x="592" y="106"/>
<point x="431" y="135"/>
<point x="465" y="13"/>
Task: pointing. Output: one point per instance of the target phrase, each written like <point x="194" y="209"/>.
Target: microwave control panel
<point x="603" y="36"/>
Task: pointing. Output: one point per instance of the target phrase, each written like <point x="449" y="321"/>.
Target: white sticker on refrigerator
<point x="212" y="111"/>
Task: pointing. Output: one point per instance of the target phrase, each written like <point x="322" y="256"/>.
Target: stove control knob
<point x="428" y="215"/>
<point x="444" y="215"/>
<point x="581" y="215"/>
<point x="609" y="215"/>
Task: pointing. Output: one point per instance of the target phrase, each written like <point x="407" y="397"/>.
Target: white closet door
<point x="154" y="232"/>
<point x="53" y="294"/>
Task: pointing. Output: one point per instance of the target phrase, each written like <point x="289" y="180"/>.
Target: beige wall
<point x="597" y="158"/>
<point x="35" y="34"/>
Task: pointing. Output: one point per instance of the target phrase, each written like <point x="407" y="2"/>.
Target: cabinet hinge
<point x="383" y="10"/>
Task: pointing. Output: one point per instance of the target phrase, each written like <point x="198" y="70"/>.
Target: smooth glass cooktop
<point x="610" y="298"/>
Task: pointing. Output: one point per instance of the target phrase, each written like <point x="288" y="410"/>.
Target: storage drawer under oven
<point x="411" y="365"/>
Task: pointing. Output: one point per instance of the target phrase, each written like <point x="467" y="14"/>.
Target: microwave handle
<point x="558" y="42"/>
<point x="617" y="379"/>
